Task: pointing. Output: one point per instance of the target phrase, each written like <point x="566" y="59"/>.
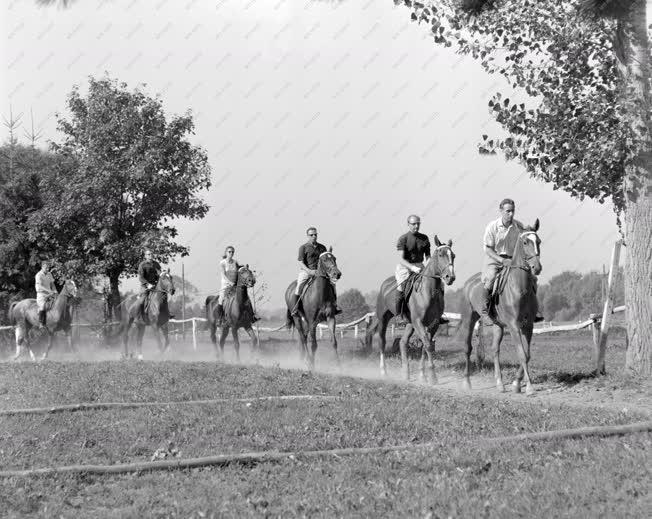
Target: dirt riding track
<point x="457" y="474"/>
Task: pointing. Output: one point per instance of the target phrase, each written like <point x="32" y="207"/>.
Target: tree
<point x="588" y="131"/>
<point x="353" y="304"/>
<point x="22" y="170"/>
<point x="134" y="171"/>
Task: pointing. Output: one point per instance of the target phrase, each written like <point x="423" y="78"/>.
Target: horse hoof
<point x="466" y="384"/>
<point x="140" y="356"/>
<point x="529" y="390"/>
<point x="516" y="386"/>
<point x="383" y="372"/>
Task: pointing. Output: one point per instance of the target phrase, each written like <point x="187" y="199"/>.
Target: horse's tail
<point x="10" y="313"/>
<point x="289" y="321"/>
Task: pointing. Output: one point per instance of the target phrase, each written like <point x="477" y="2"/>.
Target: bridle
<point x="248" y="282"/>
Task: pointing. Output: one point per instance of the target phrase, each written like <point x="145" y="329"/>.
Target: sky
<point x="341" y="115"/>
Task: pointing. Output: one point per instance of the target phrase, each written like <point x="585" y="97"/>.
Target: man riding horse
<point x="45" y="288"/>
<point x="500" y="237"/>
<point x="229" y="269"/>
<point x="149" y="272"/>
<point x="308" y="259"/>
<point x="413" y="252"/>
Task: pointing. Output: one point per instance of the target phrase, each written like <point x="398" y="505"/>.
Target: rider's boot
<point x="486" y="302"/>
<point x="294" y="305"/>
<point x="42" y="314"/>
<point x="539" y="318"/>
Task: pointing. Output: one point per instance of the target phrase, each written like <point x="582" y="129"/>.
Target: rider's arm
<point x="406" y="263"/>
<point x="489" y="251"/>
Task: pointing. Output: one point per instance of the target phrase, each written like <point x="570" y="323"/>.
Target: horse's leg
<point x="479" y="351"/>
<point x="19" y="342"/>
<point x="140" y="331"/>
<point x="47" y="348"/>
<point x="523" y="350"/>
<point x="428" y="350"/>
<point x="166" y="337"/>
<point x="125" y="337"/>
<point x="475" y="316"/>
<point x="312" y="338"/>
<point x="71" y="345"/>
<point x="331" y="325"/>
<point x="382" y="331"/>
<point x="303" y="341"/>
<point x="405" y="368"/>
<point x="255" y="347"/>
<point x="527" y="335"/>
<point x="212" y="325"/>
<point x="498" y="337"/>
<point x="223" y="334"/>
<point x="236" y="343"/>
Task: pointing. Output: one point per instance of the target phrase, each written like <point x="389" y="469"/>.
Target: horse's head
<point x="69" y="288"/>
<point x="328" y="266"/>
<point x="530" y="243"/>
<point x="246" y="277"/>
<point x="442" y="261"/>
<point x="166" y="283"/>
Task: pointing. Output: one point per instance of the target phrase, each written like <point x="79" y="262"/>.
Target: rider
<point x="413" y="251"/>
<point x="44" y="288"/>
<point x="308" y="259"/>
<point x="500" y="238"/>
<point x="149" y="272"/>
<point x="229" y="275"/>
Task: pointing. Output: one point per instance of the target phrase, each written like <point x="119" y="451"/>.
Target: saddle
<point x="409" y="285"/>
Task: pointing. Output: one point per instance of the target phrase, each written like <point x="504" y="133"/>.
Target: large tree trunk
<point x="633" y="53"/>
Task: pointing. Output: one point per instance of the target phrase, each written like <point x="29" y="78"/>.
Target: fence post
<point x="393" y="327"/>
<point x="355" y="331"/>
<point x="194" y="334"/>
<point x="321" y="332"/>
<point x="608" y="308"/>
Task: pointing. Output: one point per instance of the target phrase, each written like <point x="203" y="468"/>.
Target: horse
<point x="156" y="314"/>
<point x="238" y="313"/>
<point x="23" y="315"/>
<point x="317" y="304"/>
<point x="515" y="309"/>
<point x="425" y="307"/>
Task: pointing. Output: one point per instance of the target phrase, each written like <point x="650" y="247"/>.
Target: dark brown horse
<point x="425" y="307"/>
<point x="317" y="304"/>
<point x="157" y="314"/>
<point x="515" y="309"/>
<point x="24" y="316"/>
<point x="238" y="313"/>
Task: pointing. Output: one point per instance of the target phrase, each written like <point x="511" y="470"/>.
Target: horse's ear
<point x="437" y="242"/>
<point x="450" y="243"/>
<point x="247" y="266"/>
<point x="330" y="249"/>
<point x="168" y="270"/>
<point x="535" y="227"/>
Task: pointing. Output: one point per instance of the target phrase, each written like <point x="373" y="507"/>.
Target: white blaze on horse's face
<point x="532" y="236"/>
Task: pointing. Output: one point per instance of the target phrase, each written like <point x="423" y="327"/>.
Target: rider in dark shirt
<point x="149" y="272"/>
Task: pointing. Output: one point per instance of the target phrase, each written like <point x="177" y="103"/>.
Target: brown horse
<point x="156" y="314"/>
<point x="425" y="307"/>
<point x="317" y="304"/>
<point x="515" y="308"/>
<point x="24" y="316"/>
<point x="238" y="313"/>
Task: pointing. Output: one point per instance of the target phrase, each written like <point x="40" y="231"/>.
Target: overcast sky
<point x="343" y="116"/>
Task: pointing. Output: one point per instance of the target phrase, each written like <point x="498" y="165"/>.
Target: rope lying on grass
<point x="253" y="458"/>
<point x="130" y="405"/>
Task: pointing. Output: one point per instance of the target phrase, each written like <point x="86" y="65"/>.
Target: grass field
<point x="457" y="477"/>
